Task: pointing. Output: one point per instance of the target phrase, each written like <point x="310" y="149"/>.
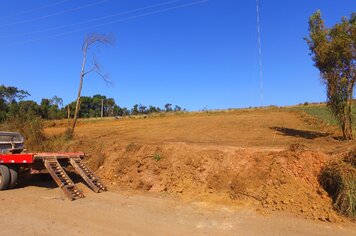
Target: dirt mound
<point x="267" y="181"/>
<point x="292" y="185"/>
<point x="297" y="147"/>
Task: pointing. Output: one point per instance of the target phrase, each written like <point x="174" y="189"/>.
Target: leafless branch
<point x="98" y="69"/>
<point x="89" y="71"/>
<point x="105" y="77"/>
<point x="98" y="38"/>
<point x="88" y="42"/>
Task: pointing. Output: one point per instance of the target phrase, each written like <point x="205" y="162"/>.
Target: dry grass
<point x="339" y="179"/>
<point x="30" y="128"/>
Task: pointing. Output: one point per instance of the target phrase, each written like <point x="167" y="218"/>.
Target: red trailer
<point x="14" y="160"/>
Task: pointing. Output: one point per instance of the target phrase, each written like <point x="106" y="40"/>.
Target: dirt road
<point x="42" y="210"/>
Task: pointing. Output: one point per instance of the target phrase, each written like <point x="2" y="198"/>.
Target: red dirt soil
<point x="268" y="160"/>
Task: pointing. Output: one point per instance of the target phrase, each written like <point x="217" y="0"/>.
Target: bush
<point x="338" y="178"/>
<point x="58" y="143"/>
<point x="31" y="128"/>
<point x="351" y="158"/>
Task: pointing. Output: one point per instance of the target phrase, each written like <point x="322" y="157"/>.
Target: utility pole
<point x="68" y="115"/>
<point x="259" y="50"/>
<point x="102" y="108"/>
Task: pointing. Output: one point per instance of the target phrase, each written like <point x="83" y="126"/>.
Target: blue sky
<point x="203" y="55"/>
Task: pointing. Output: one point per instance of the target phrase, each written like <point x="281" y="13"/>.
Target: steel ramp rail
<point x="92" y="180"/>
<point x="62" y="179"/>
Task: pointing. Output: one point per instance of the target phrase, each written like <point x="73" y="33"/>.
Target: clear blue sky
<point x="196" y="56"/>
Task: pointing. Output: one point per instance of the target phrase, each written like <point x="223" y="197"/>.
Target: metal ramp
<point x="62" y="179"/>
<point x="92" y="180"/>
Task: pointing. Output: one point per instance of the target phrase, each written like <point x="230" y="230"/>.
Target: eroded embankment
<point x="266" y="181"/>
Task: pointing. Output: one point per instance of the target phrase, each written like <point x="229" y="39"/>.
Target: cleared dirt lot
<point x="262" y="129"/>
<point x="43" y="211"/>
<point x="247" y="171"/>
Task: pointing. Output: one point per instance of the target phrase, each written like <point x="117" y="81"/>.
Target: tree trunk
<point x="82" y="73"/>
<point x="347" y="126"/>
<point x="77" y="105"/>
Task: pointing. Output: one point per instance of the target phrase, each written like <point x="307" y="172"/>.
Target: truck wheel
<point x="4" y="177"/>
<point x="13" y="176"/>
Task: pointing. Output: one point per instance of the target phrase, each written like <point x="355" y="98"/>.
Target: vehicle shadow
<point x="307" y="134"/>
<point x="45" y="180"/>
<point x="40" y="180"/>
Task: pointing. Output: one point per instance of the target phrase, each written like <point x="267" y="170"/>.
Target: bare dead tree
<point x="90" y="41"/>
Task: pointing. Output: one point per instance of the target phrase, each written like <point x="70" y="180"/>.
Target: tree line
<point x="13" y="103"/>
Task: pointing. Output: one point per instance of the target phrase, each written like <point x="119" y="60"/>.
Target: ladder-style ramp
<point x="92" y="180"/>
<point x="62" y="179"/>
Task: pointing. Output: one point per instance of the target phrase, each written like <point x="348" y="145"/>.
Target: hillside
<point x="264" y="159"/>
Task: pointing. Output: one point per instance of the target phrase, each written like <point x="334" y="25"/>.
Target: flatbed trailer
<point x="14" y="161"/>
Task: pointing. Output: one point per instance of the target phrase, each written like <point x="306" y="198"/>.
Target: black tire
<point x="4" y="177"/>
<point x="13" y="176"/>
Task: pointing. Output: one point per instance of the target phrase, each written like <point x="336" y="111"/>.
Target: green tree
<point x="168" y="107"/>
<point x="177" y="108"/>
<point x="10" y="94"/>
<point x="97" y="101"/>
<point x="152" y="109"/>
<point x="27" y="108"/>
<point x="134" y="110"/>
<point x="55" y="113"/>
<point x="333" y="51"/>
<point x="142" y="109"/>
<point x="8" y="100"/>
<point x="125" y="112"/>
<point x="86" y="107"/>
<point x="57" y="101"/>
<point x="45" y="107"/>
<point x="109" y="105"/>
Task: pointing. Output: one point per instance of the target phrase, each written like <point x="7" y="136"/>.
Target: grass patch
<point x="318" y="111"/>
<point x="322" y="112"/>
<point x="338" y="178"/>
<point x="157" y="157"/>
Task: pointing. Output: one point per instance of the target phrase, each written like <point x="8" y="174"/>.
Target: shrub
<point x="351" y="158"/>
<point x="157" y="157"/>
<point x="338" y="178"/>
<point x="59" y="142"/>
<point x="30" y="127"/>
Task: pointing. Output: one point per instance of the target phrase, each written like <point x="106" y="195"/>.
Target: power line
<point x="107" y="23"/>
<point x="55" y="14"/>
<point x="91" y="20"/>
<point x="259" y="50"/>
<point x="35" y="9"/>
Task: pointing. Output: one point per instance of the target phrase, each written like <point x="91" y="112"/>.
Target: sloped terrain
<point x="267" y="159"/>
